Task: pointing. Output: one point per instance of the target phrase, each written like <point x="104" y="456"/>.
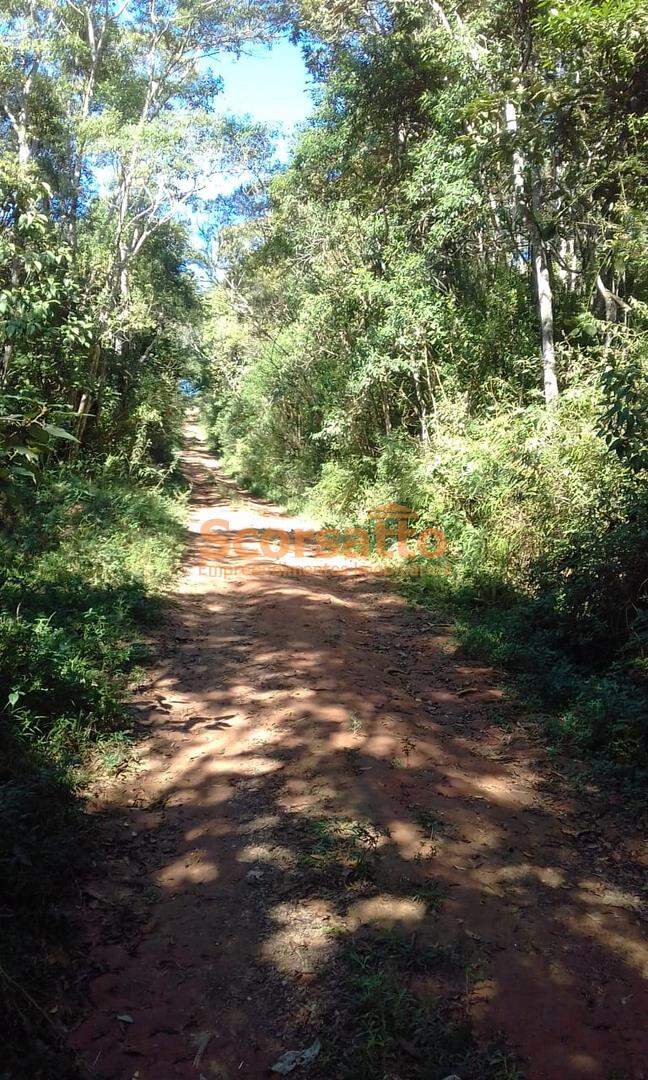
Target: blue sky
<point x="270" y="85"/>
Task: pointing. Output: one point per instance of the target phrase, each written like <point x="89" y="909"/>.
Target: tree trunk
<point x="519" y="197"/>
<point x="24" y="149"/>
<point x="7" y="352"/>
<point x="22" y="127"/>
<point x="527" y="210"/>
<point x="85" y="404"/>
<point x="545" y="311"/>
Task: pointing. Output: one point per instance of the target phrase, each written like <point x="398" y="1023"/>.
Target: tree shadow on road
<point x="334" y="839"/>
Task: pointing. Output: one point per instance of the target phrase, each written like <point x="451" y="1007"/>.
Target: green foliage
<point x="39" y="293"/>
<point x="340" y="852"/>
<point x="547" y="567"/>
<point x="77" y="575"/>
<point x="624" y="381"/>
<point x="55" y="367"/>
<point x="380" y="1027"/>
<point x="27" y="438"/>
<point x="110" y="141"/>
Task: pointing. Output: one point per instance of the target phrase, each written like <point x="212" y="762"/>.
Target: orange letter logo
<point x="436" y="552"/>
<point x="214" y="538"/>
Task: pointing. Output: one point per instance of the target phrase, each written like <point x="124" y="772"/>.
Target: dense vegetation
<point x="81" y="567"/>
<point x="445" y="305"/>
<point x="441" y="300"/>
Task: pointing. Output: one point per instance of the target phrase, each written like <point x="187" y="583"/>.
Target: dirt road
<point x="339" y="839"/>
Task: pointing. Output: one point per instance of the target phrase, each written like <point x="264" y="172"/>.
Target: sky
<point x="268" y="84"/>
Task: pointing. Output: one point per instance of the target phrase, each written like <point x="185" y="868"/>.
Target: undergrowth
<point x="596" y="711"/>
<point x="83" y="561"/>
<point x="389" y="1021"/>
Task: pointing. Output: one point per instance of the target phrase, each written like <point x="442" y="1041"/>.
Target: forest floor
<point x="337" y="835"/>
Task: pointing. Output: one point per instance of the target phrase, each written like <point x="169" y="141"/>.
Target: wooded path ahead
<point x="320" y="767"/>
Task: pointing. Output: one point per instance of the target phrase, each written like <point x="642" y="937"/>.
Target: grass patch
<point x="431" y="824"/>
<point x="430" y="892"/>
<point x="340" y="852"/>
<point x="84" y="562"/>
<point x="385" y="1023"/>
<point x="594" y="707"/>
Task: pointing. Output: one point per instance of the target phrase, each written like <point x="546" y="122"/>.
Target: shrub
<point x="84" y="561"/>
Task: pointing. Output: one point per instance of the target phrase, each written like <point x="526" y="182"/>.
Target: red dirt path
<point x="277" y="698"/>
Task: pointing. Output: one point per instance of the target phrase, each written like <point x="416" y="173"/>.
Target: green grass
<point x="385" y="1023"/>
<point x="339" y="852"/>
<point x="432" y="825"/>
<point x="595" y="706"/>
<point x="83" y="563"/>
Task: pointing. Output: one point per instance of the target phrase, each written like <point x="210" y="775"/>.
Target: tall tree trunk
<point x="545" y="311"/>
<point x="527" y="211"/>
<point x="544" y="295"/>
<point x="519" y="195"/>
<point x="96" y="39"/>
<point x="614" y="305"/>
<point x="7" y="352"/>
<point x="85" y="404"/>
<point x="22" y="127"/>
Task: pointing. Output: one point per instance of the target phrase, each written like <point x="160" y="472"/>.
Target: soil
<point x="318" y="761"/>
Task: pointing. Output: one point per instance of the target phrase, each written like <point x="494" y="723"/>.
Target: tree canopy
<point x="110" y="141"/>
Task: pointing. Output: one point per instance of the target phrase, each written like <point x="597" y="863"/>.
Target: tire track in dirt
<point x="318" y="765"/>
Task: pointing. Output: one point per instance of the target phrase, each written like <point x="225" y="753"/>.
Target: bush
<point x="548" y="564"/>
<point x="83" y="563"/>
